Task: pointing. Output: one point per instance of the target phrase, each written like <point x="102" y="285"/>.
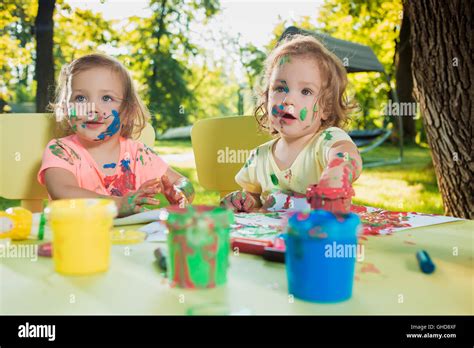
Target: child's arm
<point x="334" y="191"/>
<point x="177" y="188"/>
<point x="61" y="184"/>
<point x="342" y="154"/>
<point x="241" y="201"/>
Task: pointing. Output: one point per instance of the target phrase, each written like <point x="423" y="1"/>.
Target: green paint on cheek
<point x="303" y="113"/>
<point x="141" y="159"/>
<point x="74" y="128"/>
<point x="274" y="179"/>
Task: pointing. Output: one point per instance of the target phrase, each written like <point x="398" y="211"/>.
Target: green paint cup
<point x="198" y="246"/>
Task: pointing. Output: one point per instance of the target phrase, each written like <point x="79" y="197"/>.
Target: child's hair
<point x="331" y="99"/>
<point x="134" y="113"/>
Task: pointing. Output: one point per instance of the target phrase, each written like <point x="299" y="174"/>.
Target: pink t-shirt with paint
<point x="138" y="163"/>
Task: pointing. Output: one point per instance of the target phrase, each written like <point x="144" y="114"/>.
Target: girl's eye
<point x="107" y="98"/>
<point x="279" y="89"/>
<point x="306" y="91"/>
<point x="80" y="99"/>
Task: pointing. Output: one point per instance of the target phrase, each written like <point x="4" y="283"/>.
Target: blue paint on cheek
<point x="83" y="125"/>
<point x="112" y="128"/>
<point x="110" y="165"/>
<point x="274" y="111"/>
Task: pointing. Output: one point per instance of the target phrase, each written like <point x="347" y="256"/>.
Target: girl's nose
<point x="288" y="100"/>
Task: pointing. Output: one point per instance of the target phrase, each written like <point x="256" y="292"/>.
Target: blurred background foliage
<point x="180" y="81"/>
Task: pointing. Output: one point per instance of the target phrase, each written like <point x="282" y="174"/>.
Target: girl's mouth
<point x="93" y="124"/>
<point x="288" y="116"/>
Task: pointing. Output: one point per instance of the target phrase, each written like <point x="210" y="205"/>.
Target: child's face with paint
<point x="96" y="96"/>
<point x="293" y="97"/>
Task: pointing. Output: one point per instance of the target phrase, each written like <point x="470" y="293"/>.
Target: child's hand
<point x="134" y="202"/>
<point x="239" y="201"/>
<point x="332" y="195"/>
<point x="177" y="193"/>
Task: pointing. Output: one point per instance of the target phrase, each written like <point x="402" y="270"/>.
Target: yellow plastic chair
<point x="221" y="146"/>
<point x="23" y="138"/>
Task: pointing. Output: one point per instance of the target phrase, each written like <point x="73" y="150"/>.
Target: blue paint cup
<point x="321" y="250"/>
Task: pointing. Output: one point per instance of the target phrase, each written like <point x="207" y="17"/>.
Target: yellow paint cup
<point x="81" y="234"/>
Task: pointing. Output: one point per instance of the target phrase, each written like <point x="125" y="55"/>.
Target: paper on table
<point x="141" y="218"/>
<point x="376" y="221"/>
<point x="156" y="231"/>
<point x="258" y="225"/>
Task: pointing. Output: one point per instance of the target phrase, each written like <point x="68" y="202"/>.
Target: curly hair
<point x="134" y="112"/>
<point x="332" y="99"/>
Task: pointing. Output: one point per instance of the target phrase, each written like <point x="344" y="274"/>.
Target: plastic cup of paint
<point x="320" y="255"/>
<point x="81" y="234"/>
<point x="335" y="200"/>
<point x="198" y="246"/>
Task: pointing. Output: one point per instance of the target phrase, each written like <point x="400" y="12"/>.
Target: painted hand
<point x="340" y="172"/>
<point x="334" y="191"/>
<point x="180" y="193"/>
<point x="239" y="201"/>
<point x="134" y="202"/>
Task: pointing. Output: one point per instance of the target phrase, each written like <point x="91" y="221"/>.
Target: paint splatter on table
<point x="375" y="221"/>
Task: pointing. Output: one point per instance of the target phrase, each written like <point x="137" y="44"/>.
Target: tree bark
<point x="44" y="68"/>
<point x="404" y="80"/>
<point x="442" y="43"/>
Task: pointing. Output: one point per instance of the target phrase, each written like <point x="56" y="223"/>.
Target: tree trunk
<point x="442" y="43"/>
<point x="44" y="68"/>
<point x="404" y="80"/>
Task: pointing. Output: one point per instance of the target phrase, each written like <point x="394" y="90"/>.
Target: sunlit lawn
<point x="410" y="186"/>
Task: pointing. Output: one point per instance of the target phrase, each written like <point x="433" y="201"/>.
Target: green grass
<point x="410" y="186"/>
<point x="168" y="147"/>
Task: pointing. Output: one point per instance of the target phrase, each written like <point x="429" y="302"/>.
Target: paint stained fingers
<point x="236" y="200"/>
<point x="150" y="190"/>
<point x="168" y="188"/>
<point x="165" y="181"/>
<point x="139" y="209"/>
<point x="183" y="201"/>
<point x="150" y="184"/>
<point x="148" y="200"/>
<point x="248" y="202"/>
<point x="226" y="202"/>
<point x="176" y="197"/>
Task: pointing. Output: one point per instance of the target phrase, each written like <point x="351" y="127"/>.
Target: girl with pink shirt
<point x="99" y="107"/>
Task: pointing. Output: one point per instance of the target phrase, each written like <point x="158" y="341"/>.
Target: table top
<point x="388" y="281"/>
